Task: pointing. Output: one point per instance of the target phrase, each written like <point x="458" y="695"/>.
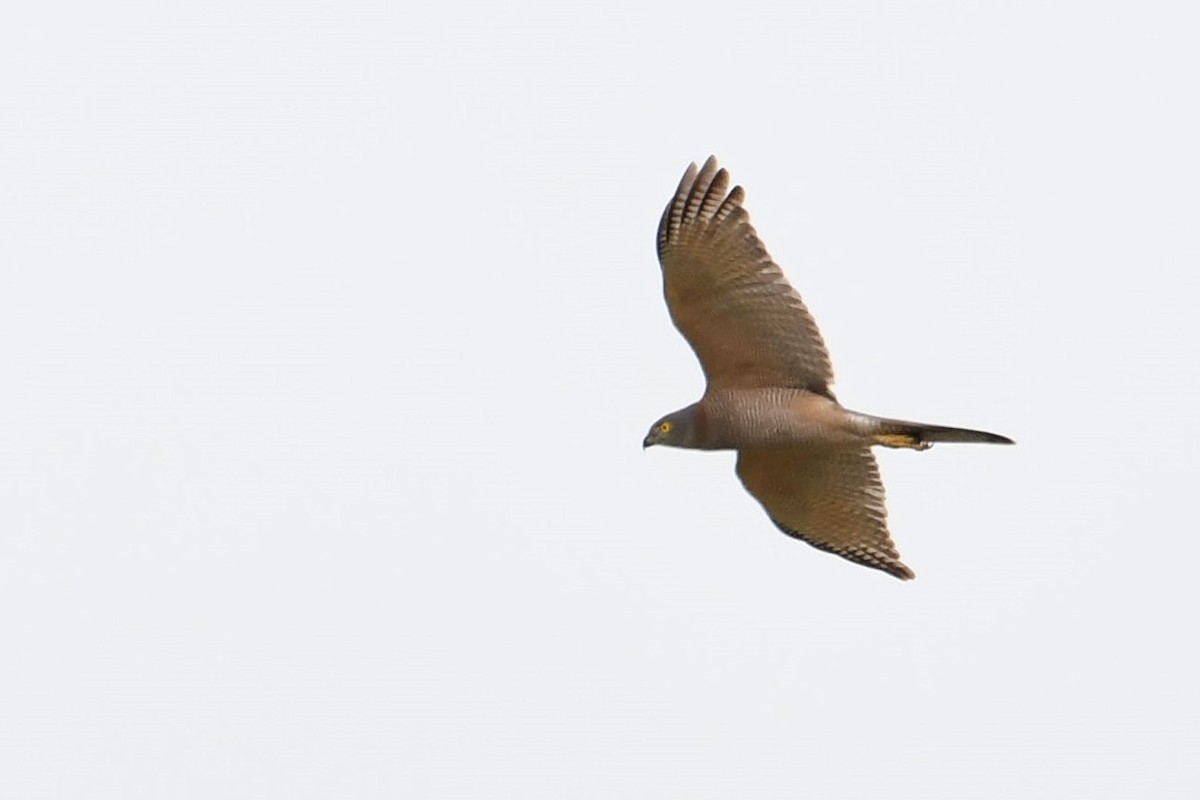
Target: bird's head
<point x="673" y="430"/>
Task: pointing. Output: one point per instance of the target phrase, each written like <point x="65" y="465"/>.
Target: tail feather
<point x="919" y="436"/>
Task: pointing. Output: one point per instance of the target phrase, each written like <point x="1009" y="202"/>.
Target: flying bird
<point x="803" y="456"/>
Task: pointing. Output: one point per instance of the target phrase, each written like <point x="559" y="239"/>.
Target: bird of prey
<point x="803" y="456"/>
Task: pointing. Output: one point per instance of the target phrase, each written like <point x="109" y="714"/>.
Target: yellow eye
<point x="664" y="428"/>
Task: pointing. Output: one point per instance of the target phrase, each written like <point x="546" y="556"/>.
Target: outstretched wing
<point x="748" y="326"/>
<point x="833" y="499"/>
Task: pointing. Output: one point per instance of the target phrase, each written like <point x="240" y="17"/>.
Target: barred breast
<point x="771" y="418"/>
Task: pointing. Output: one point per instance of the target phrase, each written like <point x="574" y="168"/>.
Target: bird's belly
<point x="778" y="418"/>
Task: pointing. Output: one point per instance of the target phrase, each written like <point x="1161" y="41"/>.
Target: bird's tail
<point x="919" y="436"/>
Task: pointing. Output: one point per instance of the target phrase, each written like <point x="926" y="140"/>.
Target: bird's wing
<point x="833" y="499"/>
<point x="734" y="306"/>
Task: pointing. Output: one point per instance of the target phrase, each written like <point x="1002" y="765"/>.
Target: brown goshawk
<point x="803" y="456"/>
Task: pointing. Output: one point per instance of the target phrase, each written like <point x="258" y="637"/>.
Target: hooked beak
<point x="648" y="442"/>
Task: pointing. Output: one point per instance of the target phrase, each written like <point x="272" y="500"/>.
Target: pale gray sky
<point x="329" y="333"/>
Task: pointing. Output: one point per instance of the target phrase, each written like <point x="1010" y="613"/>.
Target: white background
<point x="329" y="333"/>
